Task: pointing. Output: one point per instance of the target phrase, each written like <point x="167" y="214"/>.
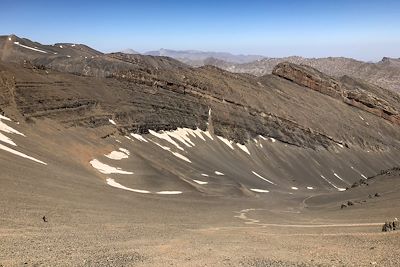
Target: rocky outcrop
<point x="349" y="93"/>
<point x="391" y="226"/>
<point x="309" y="77"/>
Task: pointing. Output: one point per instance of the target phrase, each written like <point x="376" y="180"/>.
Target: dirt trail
<point x="243" y="216"/>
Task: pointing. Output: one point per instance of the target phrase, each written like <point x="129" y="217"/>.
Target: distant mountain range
<point x="385" y="73"/>
<point x="198" y="58"/>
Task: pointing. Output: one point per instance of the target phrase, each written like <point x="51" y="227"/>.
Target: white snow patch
<point x="259" y="190"/>
<point x="340" y="145"/>
<point x="113" y="183"/>
<point x="127" y="137"/>
<point x="5" y="128"/>
<point x="337" y="175"/>
<point x="126" y="151"/>
<point x="138" y="137"/>
<point x="243" y="147"/>
<point x="9" y="38"/>
<point x="61" y="46"/>
<point x="259" y="176"/>
<point x="182" y="135"/>
<point x="219" y="173"/>
<point x="31" y="48"/>
<point x="329" y="182"/>
<point x="112" y="121"/>
<point x="207" y="133"/>
<point x="294" y="188"/>
<point x="169" y="192"/>
<point x="226" y="142"/>
<point x="68" y="56"/>
<point x="176" y="154"/>
<point x="118" y="141"/>
<point x="273" y="140"/>
<point x="166" y="137"/>
<point x="117" y="155"/>
<point x="200" y="182"/>
<point x="198" y="133"/>
<point x="107" y="169"/>
<point x="4" y="118"/>
<point x="204" y="174"/>
<point x="362" y="175"/>
<point x="7" y="140"/>
<point x="361" y="117"/>
<point x="310" y="187"/>
<point x="262" y="137"/>
<point x="73" y="45"/>
<point x="15" y="152"/>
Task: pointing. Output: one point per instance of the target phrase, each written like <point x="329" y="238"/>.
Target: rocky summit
<point x="122" y="159"/>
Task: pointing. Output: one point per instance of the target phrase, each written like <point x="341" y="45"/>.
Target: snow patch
<point x="182" y="135"/>
<point x="117" y="155"/>
<point x="138" y="137"/>
<point x="259" y="176"/>
<point x="259" y="190"/>
<point x="329" y="182"/>
<point x="107" y="169"/>
<point x="166" y="137"/>
<point x="200" y="182"/>
<point x="198" y="133"/>
<point x="336" y="175"/>
<point x="362" y="175"/>
<point x="7" y="140"/>
<point x="4" y="118"/>
<point x="219" y="173"/>
<point x="126" y="151"/>
<point x="15" y="152"/>
<point x="31" y="48"/>
<point x="205" y="175"/>
<point x="169" y="192"/>
<point x="243" y="147"/>
<point x="5" y="128"/>
<point x="273" y="140"/>
<point x="176" y="154"/>
<point x="262" y="137"/>
<point x="294" y="188"/>
<point x="112" y="121"/>
<point x="310" y="187"/>
<point x="207" y="133"/>
<point x="226" y="142"/>
<point x="113" y="183"/>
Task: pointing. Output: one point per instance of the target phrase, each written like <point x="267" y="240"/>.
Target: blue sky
<point x="366" y="30"/>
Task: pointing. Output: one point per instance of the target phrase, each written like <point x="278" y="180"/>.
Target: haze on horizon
<point x="366" y="30"/>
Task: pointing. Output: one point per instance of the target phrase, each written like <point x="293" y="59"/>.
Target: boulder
<point x="387" y="227"/>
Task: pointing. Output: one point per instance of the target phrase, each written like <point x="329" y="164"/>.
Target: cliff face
<point x="359" y="94"/>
